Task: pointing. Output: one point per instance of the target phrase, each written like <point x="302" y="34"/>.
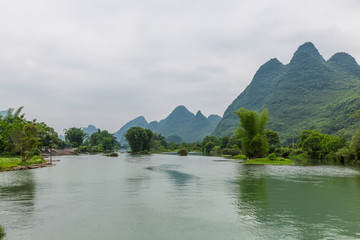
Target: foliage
<point x="75" y="136"/>
<point x="139" y="139"/>
<point x="47" y="136"/>
<point x="113" y="154"/>
<point x="183" y="152"/>
<point x="251" y="130"/>
<point x="239" y="156"/>
<point x="284" y="152"/>
<point x="101" y="141"/>
<point x="273" y="139"/>
<point x="216" y="151"/>
<point x="10" y="162"/>
<point x="174" y="139"/>
<point x="266" y="161"/>
<point x="230" y="151"/>
<point x="318" y="145"/>
<point x="355" y="145"/>
<point x="272" y="157"/>
<point x="2" y="233"/>
<point x="307" y="93"/>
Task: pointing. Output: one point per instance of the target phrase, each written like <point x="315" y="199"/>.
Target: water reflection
<point x="17" y="193"/>
<point x="314" y="206"/>
<point x="251" y="188"/>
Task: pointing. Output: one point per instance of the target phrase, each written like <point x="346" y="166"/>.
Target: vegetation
<point x="307" y="93"/>
<point x="21" y="140"/>
<point x="180" y="126"/>
<point x="101" y="141"/>
<point x="183" y="152"/>
<point x="2" y="233"/>
<point x="252" y="132"/>
<point x="75" y="136"/>
<point x="139" y="139"/>
<point x="267" y="161"/>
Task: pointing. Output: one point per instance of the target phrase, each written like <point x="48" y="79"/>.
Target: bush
<point x="240" y="156"/>
<point x="215" y="151"/>
<point x="114" y="154"/>
<point x="272" y="157"/>
<point x="230" y="151"/>
<point x="283" y="152"/>
<point x="183" y="152"/>
<point x="2" y="232"/>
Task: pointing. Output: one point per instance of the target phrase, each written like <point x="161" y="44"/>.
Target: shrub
<point x="272" y="157"/>
<point x="240" y="156"/>
<point x="283" y="152"/>
<point x="113" y="154"/>
<point x="230" y="151"/>
<point x="215" y="151"/>
<point x="183" y="152"/>
<point x="2" y="232"/>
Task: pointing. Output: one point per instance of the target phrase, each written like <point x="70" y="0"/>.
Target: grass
<point x="7" y="163"/>
<point x="266" y="161"/>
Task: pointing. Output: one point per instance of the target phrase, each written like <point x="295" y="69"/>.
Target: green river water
<point x="160" y="196"/>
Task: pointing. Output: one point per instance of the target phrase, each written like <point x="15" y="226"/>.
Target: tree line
<point x="253" y="140"/>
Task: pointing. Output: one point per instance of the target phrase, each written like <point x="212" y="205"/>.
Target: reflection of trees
<point x="17" y="193"/>
<point x="251" y="188"/>
<point x="179" y="178"/>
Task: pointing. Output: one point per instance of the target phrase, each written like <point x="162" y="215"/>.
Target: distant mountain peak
<point x="345" y="62"/>
<point x="310" y="49"/>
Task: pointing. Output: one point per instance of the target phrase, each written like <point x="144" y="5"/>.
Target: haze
<point x="74" y="63"/>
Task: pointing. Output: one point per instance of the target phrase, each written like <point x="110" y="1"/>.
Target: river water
<point x="171" y="197"/>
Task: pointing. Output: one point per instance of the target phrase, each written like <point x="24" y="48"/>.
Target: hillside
<point x="307" y="93"/>
<point x="180" y="122"/>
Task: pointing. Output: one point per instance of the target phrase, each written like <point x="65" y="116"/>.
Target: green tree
<point x="48" y="138"/>
<point x="251" y="130"/>
<point x="103" y="140"/>
<point x="24" y="139"/>
<point x="355" y="144"/>
<point x="273" y="139"/>
<point x="139" y="139"/>
<point x="75" y="136"/>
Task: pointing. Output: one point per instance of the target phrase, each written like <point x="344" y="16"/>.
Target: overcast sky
<point x="105" y="62"/>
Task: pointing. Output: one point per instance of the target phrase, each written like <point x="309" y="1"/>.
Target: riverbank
<point x="60" y="152"/>
<point x="15" y="163"/>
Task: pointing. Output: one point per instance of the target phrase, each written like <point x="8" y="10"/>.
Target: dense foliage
<point x="252" y="132"/>
<point x="20" y="137"/>
<point x="139" y="139"/>
<point x="2" y="233"/>
<point x="75" y="136"/>
<point x="102" y="141"/>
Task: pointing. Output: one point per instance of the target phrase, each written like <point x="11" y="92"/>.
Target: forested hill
<point x="307" y="93"/>
<point x="180" y="122"/>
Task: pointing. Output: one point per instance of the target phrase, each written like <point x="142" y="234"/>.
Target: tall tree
<point x="139" y="139"/>
<point x="75" y="136"/>
<point x="252" y="132"/>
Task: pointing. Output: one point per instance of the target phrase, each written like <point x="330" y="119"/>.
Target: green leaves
<point x="251" y="131"/>
<point x="139" y="139"/>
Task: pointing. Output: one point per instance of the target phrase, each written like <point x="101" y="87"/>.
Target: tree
<point x="273" y="139"/>
<point x="75" y="136"/>
<point x="355" y="144"/>
<point x="251" y="130"/>
<point x="48" y="138"/>
<point x="24" y="139"/>
<point x="103" y="140"/>
<point x="139" y="139"/>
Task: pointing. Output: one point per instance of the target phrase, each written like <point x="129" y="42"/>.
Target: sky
<point x="106" y="62"/>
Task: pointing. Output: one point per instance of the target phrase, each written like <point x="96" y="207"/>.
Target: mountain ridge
<point x="308" y="92"/>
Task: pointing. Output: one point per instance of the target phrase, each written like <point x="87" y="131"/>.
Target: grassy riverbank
<point x="7" y="163"/>
<point x="266" y="161"/>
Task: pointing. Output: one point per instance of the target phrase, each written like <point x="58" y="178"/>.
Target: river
<point x="161" y="196"/>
